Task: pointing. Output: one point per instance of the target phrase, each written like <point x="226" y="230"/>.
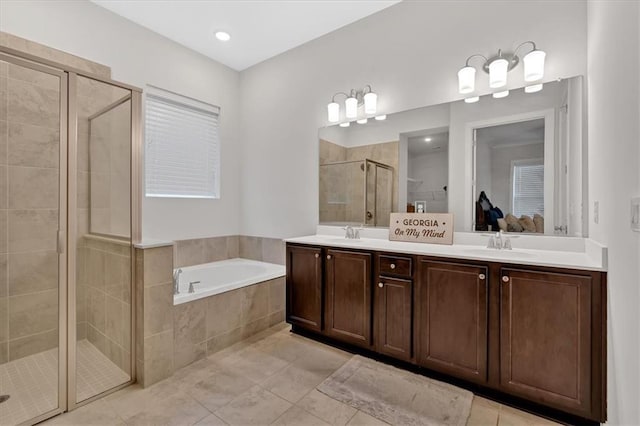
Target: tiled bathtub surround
<point x="29" y="175"/>
<point x="204" y="250"/>
<point x="205" y="326"/>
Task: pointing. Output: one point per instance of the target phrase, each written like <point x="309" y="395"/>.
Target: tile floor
<point x="270" y="378"/>
<point x="32" y="381"/>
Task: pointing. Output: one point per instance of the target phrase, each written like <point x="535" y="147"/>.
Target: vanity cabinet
<point x="393" y="308"/>
<point x="348" y="295"/>
<point x="304" y="287"/>
<point x="451" y="318"/>
<point x="546" y="337"/>
<point x="531" y="332"/>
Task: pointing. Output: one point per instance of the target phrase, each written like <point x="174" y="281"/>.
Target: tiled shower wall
<point x="29" y="176"/>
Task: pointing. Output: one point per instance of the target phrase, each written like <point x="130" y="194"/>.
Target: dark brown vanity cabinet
<point x="348" y="296"/>
<point x="304" y="287"/>
<point x="550" y="330"/>
<point x="393" y="308"/>
<point x="451" y="304"/>
<point x="532" y="332"/>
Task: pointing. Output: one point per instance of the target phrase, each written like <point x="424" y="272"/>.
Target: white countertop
<point x="592" y="257"/>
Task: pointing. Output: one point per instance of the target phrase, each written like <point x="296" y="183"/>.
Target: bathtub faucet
<point x="191" y="290"/>
<point x="176" y="280"/>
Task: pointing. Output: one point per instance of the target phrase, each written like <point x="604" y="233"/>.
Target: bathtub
<point x="223" y="276"/>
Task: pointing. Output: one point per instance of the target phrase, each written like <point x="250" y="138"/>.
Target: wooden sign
<point x="434" y="228"/>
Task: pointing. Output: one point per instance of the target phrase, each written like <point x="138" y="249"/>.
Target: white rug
<point x="397" y="396"/>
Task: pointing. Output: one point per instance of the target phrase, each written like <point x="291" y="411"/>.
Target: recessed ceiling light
<point x="381" y="117"/>
<point x="427" y="139"/>
<point x="345" y="124"/>
<point x="362" y="121"/>
<point x="223" y="36"/>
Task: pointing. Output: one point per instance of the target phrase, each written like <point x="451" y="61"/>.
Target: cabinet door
<point x="451" y="309"/>
<point x="545" y="338"/>
<point x="348" y="311"/>
<point x="304" y="287"/>
<point x="393" y="317"/>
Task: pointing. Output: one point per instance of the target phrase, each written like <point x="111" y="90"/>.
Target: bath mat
<point x="396" y="396"/>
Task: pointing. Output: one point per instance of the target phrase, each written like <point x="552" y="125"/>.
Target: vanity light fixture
<point x="498" y="67"/>
<point x="223" y="36"/>
<point x="362" y="121"/>
<point x="533" y="88"/>
<point x="381" y="117"/>
<point x="472" y="99"/>
<point x="353" y="100"/>
<point x="502" y="94"/>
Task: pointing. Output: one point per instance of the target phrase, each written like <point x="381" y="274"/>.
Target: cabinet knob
<point x="380" y="285"/>
<point x="481" y="276"/>
<point x="392" y="266"/>
<point x="328" y="257"/>
<point x="505" y="279"/>
<point x="317" y="255"/>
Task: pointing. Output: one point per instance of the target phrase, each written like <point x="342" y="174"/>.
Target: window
<point x="182" y="147"/>
<point x="528" y="187"/>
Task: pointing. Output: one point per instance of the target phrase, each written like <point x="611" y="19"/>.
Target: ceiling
<point x="259" y="29"/>
<point x="418" y="146"/>
<point x="513" y="133"/>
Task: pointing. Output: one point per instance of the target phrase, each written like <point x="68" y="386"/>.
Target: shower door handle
<point x="60" y="243"/>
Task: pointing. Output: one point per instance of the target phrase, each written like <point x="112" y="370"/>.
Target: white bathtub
<point x="222" y="276"/>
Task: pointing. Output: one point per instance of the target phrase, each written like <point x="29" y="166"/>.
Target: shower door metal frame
<point x="61" y="246"/>
<point x="68" y="220"/>
<point x="375" y="190"/>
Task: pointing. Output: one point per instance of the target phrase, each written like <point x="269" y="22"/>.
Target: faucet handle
<point x="492" y="242"/>
<point x="507" y="244"/>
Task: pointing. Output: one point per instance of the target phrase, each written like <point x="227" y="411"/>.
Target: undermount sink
<point x="500" y="253"/>
<point x="343" y="240"/>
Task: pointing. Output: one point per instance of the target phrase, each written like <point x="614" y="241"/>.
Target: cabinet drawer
<point x="395" y="265"/>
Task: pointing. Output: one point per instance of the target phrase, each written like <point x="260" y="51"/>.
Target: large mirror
<point x="513" y="163"/>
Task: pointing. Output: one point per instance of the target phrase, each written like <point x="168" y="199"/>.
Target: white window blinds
<point x="182" y="147"/>
<point x="528" y="188"/>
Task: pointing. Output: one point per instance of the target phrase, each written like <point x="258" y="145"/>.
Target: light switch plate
<point x="635" y="214"/>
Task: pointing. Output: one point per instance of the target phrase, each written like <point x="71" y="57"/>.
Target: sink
<point x="515" y="253"/>
<point x="342" y="240"/>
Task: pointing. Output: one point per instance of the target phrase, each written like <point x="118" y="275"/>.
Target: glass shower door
<point x="33" y="186"/>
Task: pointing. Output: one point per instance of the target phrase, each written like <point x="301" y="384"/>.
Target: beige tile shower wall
<point x="106" y="279"/>
<point x="205" y="326"/>
<point x="154" y="314"/>
<point x="29" y="173"/>
<point x="332" y="181"/>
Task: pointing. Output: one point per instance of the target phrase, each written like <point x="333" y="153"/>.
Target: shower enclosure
<point x="356" y="193"/>
<point x="69" y="147"/>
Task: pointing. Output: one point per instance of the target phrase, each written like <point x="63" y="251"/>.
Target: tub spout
<point x="176" y="280"/>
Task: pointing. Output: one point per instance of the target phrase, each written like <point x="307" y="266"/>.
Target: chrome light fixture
<point x="353" y="100"/>
<point x="498" y="68"/>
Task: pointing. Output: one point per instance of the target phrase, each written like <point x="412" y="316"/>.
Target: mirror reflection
<point x="513" y="163"/>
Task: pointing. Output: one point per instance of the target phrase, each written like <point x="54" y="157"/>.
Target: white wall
<point x="614" y="177"/>
<point x="410" y="54"/>
<point x="431" y="171"/>
<point x="139" y="57"/>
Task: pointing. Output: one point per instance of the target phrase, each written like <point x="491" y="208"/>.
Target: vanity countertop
<point x="584" y="260"/>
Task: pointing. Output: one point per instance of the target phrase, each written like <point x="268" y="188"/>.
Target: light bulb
<point x="502" y="94"/>
<point x="351" y="107"/>
<point x="466" y="80"/>
<point x="223" y="36"/>
<point x="370" y="103"/>
<point x="346" y="124"/>
<point x="333" y="112"/>
<point x="362" y="121"/>
<point x="533" y="88"/>
<point x="472" y="99"/>
<point x="498" y="73"/>
<point x="381" y="117"/>
<point x="534" y="65"/>
<point x="427" y="139"/>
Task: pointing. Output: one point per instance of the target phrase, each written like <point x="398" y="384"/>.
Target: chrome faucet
<point x="191" y="283"/>
<point x="176" y="281"/>
<point x="352" y="233"/>
<point x="499" y="241"/>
